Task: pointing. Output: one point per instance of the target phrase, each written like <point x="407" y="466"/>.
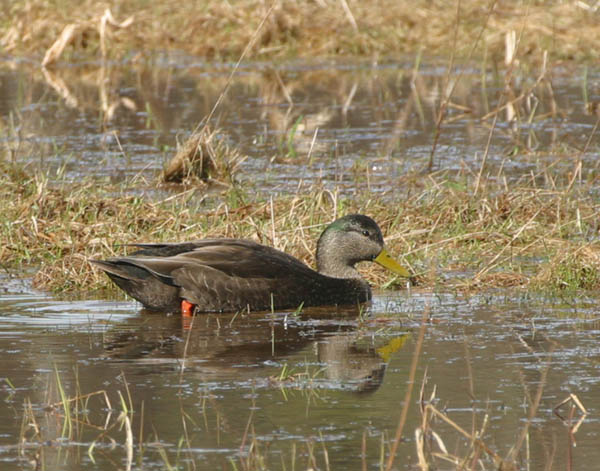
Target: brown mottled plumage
<point x="236" y="274"/>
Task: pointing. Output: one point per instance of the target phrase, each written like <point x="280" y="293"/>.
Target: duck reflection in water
<point x="234" y="346"/>
<point x="355" y="362"/>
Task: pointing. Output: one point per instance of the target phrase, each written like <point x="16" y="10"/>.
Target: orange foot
<point x="187" y="309"/>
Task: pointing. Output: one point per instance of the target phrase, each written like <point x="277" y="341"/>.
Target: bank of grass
<point x="221" y="30"/>
<point x="452" y="233"/>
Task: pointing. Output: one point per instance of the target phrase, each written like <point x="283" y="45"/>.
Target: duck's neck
<point x="330" y="258"/>
<point x="335" y="269"/>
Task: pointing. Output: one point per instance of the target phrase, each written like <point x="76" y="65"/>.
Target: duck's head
<point x="349" y="240"/>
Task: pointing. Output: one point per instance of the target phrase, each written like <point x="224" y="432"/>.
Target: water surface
<point x="345" y="126"/>
<point x="323" y="388"/>
<point x="288" y="386"/>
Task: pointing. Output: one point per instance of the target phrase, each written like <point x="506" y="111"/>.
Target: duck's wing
<point x="241" y="274"/>
<point x="223" y="274"/>
<point x="244" y="258"/>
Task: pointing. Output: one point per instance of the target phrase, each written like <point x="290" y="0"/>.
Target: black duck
<point x="236" y="274"/>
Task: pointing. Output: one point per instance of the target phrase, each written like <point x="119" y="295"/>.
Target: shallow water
<point x="342" y="125"/>
<point x="207" y="393"/>
<point x="323" y="389"/>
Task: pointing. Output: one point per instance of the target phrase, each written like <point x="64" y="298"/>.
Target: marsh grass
<point x="108" y="436"/>
<point x="69" y="420"/>
<point x="290" y="378"/>
<point x="460" y="231"/>
<point x="303" y="28"/>
<point x="473" y="448"/>
<point x="520" y="234"/>
<point x="578" y="268"/>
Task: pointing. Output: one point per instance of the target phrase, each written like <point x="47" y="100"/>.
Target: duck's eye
<point x="366" y="233"/>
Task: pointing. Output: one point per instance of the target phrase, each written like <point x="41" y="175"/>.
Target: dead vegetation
<point x="205" y="156"/>
<point x="65" y="419"/>
<point x="441" y="441"/>
<point x="222" y="30"/>
<point x="457" y="231"/>
<point x="521" y="236"/>
<point x="75" y="34"/>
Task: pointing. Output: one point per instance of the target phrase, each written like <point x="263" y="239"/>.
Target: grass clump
<point x="572" y="270"/>
<point x="204" y="156"/>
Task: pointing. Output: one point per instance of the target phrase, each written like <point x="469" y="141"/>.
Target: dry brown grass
<point x="517" y="236"/>
<point x="303" y="28"/>
<point x="205" y="156"/>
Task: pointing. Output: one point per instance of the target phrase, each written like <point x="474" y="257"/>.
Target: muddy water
<point x="322" y="389"/>
<point x="286" y="388"/>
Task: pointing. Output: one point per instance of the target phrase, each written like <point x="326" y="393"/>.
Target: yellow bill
<point x="385" y="260"/>
<point x="392" y="346"/>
